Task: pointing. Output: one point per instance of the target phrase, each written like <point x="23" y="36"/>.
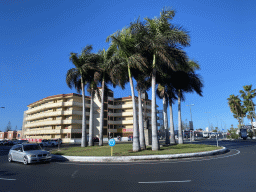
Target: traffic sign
<point x="112" y="142"/>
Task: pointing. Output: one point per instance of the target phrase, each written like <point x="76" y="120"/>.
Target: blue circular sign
<point x="112" y="142"/>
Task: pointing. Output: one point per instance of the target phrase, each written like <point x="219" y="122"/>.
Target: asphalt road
<point x="232" y="171"/>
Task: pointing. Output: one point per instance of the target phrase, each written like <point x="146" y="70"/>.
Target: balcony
<point x="52" y="131"/>
<point x="120" y="114"/>
<point x="123" y="106"/>
<point x="120" y="122"/>
<point x="55" y="105"/>
<point x="55" y="122"/>
<point x="111" y="98"/>
<point x="54" y="113"/>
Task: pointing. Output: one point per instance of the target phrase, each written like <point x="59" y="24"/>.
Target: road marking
<point x="8" y="179"/>
<point x="73" y="175"/>
<point x="166" y="181"/>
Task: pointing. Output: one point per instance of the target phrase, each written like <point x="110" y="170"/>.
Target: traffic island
<point x="124" y="153"/>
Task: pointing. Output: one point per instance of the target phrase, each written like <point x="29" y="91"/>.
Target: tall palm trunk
<point x="155" y="144"/>
<point x="84" y="137"/>
<point x="167" y="139"/>
<point x="102" y="113"/>
<point x="171" y="125"/>
<point x="141" y="128"/>
<point x="136" y="142"/>
<point x="91" y="120"/>
<point x="179" y="121"/>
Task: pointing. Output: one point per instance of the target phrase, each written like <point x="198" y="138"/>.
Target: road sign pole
<point x="112" y="143"/>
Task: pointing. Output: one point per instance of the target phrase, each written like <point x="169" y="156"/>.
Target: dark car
<point x="95" y="139"/>
<point x="8" y="142"/>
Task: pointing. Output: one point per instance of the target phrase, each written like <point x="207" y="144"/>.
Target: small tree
<point x="232" y="133"/>
<point x="8" y="127"/>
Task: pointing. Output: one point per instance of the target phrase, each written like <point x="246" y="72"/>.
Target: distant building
<point x="60" y="116"/>
<point x="11" y="135"/>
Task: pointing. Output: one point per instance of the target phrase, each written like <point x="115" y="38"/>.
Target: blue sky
<point x="36" y="38"/>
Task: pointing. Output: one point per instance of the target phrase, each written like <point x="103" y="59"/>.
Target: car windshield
<point x="31" y="147"/>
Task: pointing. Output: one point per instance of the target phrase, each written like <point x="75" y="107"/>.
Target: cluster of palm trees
<point x="240" y="108"/>
<point x="150" y="52"/>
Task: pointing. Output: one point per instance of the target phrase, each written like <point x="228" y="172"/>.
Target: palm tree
<point x="77" y="77"/>
<point x="185" y="81"/>
<point x="143" y="84"/>
<point x="248" y="94"/>
<point x="164" y="40"/>
<point x="237" y="108"/>
<point x="105" y="61"/>
<point x="171" y="98"/>
<point x="161" y="93"/>
<point x="92" y="89"/>
<point x="125" y="45"/>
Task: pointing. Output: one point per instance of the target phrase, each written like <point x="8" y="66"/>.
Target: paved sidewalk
<point x="136" y="158"/>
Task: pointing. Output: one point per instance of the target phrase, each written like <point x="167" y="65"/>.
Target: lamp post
<point x="2" y="107"/>
<point x="208" y="119"/>
<point x="191" y="122"/>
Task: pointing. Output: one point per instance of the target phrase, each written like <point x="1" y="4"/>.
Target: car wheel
<point x="9" y="158"/>
<point x="25" y="160"/>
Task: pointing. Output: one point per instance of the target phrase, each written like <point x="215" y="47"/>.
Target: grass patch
<point x="126" y="150"/>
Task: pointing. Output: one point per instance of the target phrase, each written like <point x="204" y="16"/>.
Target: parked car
<point x="22" y="141"/>
<point x="45" y="143"/>
<point x="28" y="153"/>
<point x="4" y="142"/>
<point x="9" y="142"/>
<point x="95" y="139"/>
<point x="54" y="142"/>
<point x="50" y="143"/>
<point x="130" y="138"/>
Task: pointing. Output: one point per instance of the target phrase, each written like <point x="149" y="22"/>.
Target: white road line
<point x="73" y="175"/>
<point x="8" y="179"/>
<point x="166" y="181"/>
<point x="148" y="163"/>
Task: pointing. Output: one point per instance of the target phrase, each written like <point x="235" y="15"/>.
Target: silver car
<point x="28" y="153"/>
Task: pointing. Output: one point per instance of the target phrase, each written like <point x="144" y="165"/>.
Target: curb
<point x="136" y="158"/>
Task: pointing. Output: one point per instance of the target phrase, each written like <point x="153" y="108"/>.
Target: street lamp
<point x="191" y="123"/>
<point x="217" y="122"/>
<point x="190" y="109"/>
<point x="2" y="107"/>
<point x="208" y="120"/>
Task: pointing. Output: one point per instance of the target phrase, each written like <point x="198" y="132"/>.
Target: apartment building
<point x="60" y="116"/>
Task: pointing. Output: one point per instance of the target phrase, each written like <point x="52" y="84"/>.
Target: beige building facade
<point x="60" y="116"/>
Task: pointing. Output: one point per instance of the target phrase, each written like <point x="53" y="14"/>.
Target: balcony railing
<point x="55" y="105"/>
<point x="120" y="122"/>
<point x="55" y="122"/>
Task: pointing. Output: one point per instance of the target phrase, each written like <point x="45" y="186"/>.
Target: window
<point x="54" y="109"/>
